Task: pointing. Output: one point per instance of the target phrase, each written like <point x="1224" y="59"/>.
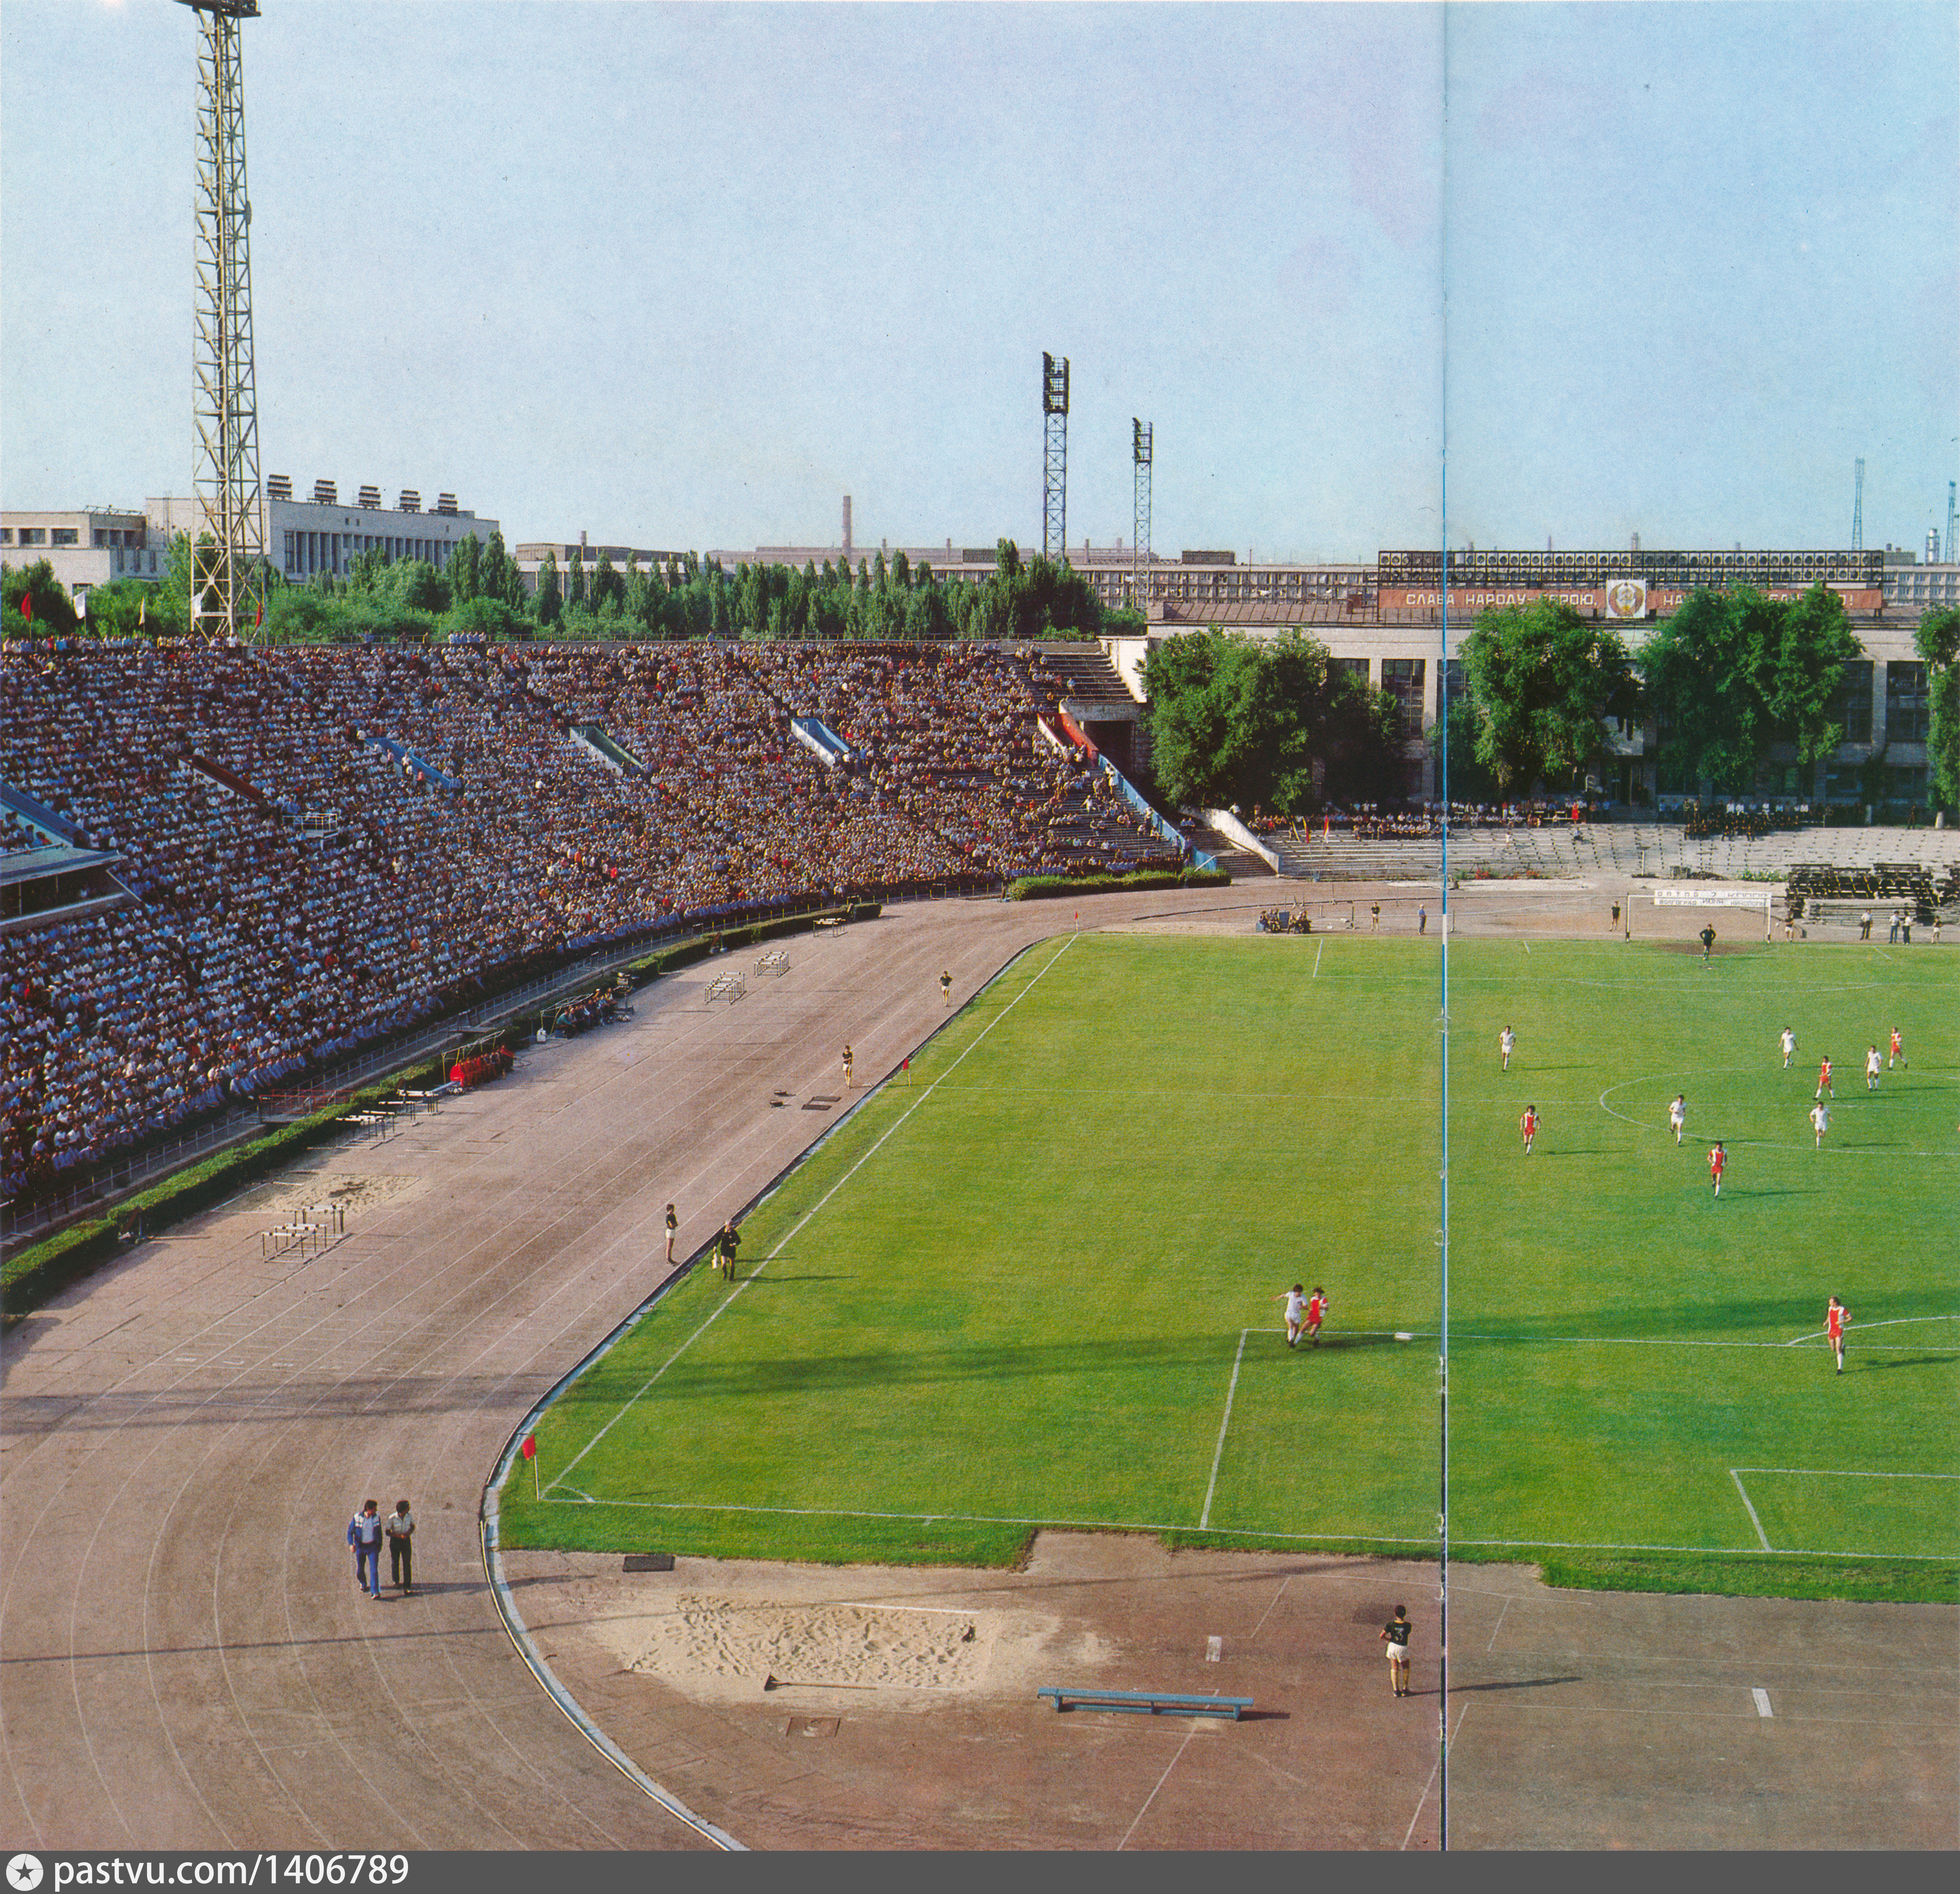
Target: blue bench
<point x="1148" y="1702"/>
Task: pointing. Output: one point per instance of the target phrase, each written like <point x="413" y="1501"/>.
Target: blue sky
<point x="685" y="276"/>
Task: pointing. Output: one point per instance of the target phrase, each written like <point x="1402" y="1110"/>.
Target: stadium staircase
<point x="36" y="814"/>
<point x="614" y="754"/>
<point x="229" y="779"/>
<point x="1082" y="674"/>
<point x="829" y="749"/>
<point x="402" y="753"/>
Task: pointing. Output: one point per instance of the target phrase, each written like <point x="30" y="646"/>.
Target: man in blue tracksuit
<point x="363" y="1534"/>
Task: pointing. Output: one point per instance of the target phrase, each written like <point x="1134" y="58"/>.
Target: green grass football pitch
<point x="1035" y="1282"/>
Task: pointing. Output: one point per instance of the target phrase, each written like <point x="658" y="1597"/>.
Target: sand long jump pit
<point x="720" y="1647"/>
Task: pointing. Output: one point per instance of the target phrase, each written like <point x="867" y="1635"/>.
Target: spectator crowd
<point x="328" y="846"/>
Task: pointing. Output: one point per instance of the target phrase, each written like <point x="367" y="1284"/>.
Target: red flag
<point x="261" y="618"/>
<point x="530" y="1449"/>
<point x="905" y="1064"/>
<point x="26" y="605"/>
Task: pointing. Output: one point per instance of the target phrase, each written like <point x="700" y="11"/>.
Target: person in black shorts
<point x="725" y="1247"/>
<point x="1396" y="1635"/>
<point x="946" y="988"/>
<point x="1708" y="943"/>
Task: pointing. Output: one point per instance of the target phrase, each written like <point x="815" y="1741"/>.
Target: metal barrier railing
<point x="20" y="1223"/>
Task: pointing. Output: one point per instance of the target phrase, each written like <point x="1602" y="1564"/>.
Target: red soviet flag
<point x="27" y="605"/>
<point x="530" y="1449"/>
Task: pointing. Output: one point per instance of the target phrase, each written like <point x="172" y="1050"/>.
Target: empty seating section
<point x="1884" y="886"/>
<point x="1575" y="851"/>
<point x="264" y="941"/>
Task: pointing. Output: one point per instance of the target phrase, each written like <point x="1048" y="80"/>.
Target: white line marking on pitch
<point x="1736" y="1476"/>
<point x="1204" y="1518"/>
<point x="809" y="1214"/>
<point x="1762" y="1697"/>
<point x="1317" y="952"/>
<point x="1843" y="1473"/>
<point x="1893" y="1322"/>
<point x="1214" y="1649"/>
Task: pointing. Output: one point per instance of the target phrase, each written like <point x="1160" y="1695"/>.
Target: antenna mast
<point x="1951" y="556"/>
<point x="1054" y="458"/>
<point x="1858" y="510"/>
<point x="228" y="573"/>
<point x="1140" y="434"/>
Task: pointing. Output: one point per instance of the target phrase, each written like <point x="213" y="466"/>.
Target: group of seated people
<point x="328" y="846"/>
<point x="1700" y="821"/>
<point x="601" y="1006"/>
<point x="18" y="835"/>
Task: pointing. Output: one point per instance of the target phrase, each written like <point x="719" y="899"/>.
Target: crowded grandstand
<point x="316" y="848"/>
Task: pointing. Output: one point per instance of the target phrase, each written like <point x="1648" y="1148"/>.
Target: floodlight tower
<point x="1054" y="458"/>
<point x="228" y="588"/>
<point x="1140" y="434"/>
<point x="1858" y="509"/>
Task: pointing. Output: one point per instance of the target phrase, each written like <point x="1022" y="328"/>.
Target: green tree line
<point x="1728" y="677"/>
<point x="481" y="589"/>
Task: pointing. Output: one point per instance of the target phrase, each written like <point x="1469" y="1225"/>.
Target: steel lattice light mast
<point x="1054" y="458"/>
<point x="228" y="573"/>
<point x="1141" y="434"/>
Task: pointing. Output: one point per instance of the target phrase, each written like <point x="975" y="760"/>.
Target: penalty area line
<point x="1231" y="1393"/>
<point x="1735" y="1473"/>
<point x="797" y="1228"/>
<point x="1841" y="1473"/>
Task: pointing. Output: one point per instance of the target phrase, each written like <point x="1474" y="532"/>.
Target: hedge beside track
<point x="1049" y="887"/>
<point x="29" y="1278"/>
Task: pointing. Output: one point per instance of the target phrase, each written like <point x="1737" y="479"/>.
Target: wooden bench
<point x="1147" y="1702"/>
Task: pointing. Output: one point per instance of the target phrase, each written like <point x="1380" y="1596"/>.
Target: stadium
<point x="290" y="901"/>
<point x="659" y="1200"/>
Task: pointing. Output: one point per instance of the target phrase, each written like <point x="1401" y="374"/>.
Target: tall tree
<point x="49" y="607"/>
<point x="574" y="579"/>
<point x="1937" y="641"/>
<point x="464" y="569"/>
<point x="1731" y="674"/>
<point x="609" y="588"/>
<point x="416" y="584"/>
<point x="1543" y="681"/>
<point x="551" y="602"/>
<point x="1272" y="723"/>
<point x="499" y="576"/>
<point x="1815" y="645"/>
<point x="1703" y="673"/>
